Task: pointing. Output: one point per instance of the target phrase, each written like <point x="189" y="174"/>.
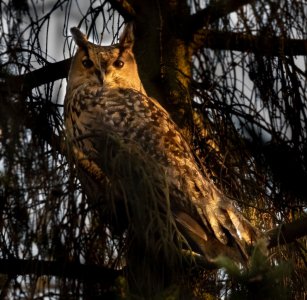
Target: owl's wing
<point x="131" y="120"/>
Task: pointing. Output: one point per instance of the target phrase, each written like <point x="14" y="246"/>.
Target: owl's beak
<point x="100" y="75"/>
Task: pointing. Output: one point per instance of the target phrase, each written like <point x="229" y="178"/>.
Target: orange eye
<point x="118" y="64"/>
<point x="87" y="63"/>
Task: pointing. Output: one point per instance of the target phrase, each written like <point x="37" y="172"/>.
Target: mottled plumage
<point x="108" y="112"/>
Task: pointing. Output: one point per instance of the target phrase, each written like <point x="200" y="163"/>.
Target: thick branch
<point x="269" y="46"/>
<point x="124" y="8"/>
<point x="287" y="233"/>
<point x="213" y="12"/>
<point x="49" y="73"/>
<point x="60" y="269"/>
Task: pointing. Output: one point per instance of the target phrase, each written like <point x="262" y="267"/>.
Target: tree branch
<point x="284" y="234"/>
<point x="268" y="46"/>
<point x="15" y="266"/>
<point x="287" y="233"/>
<point x="26" y="82"/>
<point x="124" y="8"/>
<point x="213" y="12"/>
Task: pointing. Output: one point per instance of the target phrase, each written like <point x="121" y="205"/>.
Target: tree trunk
<point x="165" y="67"/>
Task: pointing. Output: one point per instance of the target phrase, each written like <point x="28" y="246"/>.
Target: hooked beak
<point x="100" y="75"/>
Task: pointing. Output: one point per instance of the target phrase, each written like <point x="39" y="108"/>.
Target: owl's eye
<point x="87" y="63"/>
<point x="118" y="64"/>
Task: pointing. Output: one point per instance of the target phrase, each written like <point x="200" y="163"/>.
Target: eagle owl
<point x="133" y="161"/>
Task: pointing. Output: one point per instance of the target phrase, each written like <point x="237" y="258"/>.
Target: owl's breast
<point x="131" y="117"/>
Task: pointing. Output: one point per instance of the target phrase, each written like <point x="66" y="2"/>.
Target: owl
<point x="134" y="163"/>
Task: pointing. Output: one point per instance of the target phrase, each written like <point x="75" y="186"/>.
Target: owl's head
<point x="106" y="66"/>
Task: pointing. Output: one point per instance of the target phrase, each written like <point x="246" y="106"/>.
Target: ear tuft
<point x="126" y="40"/>
<point x="79" y="38"/>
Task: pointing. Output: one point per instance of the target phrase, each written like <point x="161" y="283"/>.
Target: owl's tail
<point x="205" y="243"/>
